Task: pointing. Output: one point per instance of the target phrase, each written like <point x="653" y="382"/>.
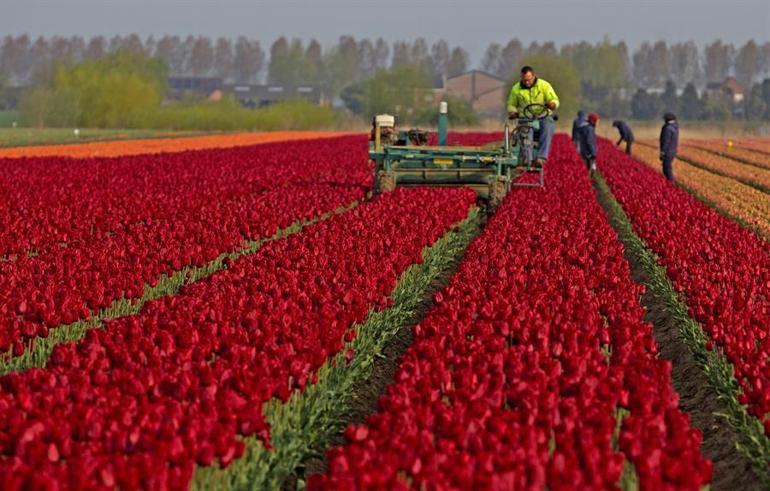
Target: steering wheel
<point x="535" y="110"/>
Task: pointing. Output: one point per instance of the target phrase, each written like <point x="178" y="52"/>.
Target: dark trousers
<point x="628" y="147"/>
<point x="667" y="167"/>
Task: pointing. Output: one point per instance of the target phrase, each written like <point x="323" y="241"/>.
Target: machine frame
<point x="491" y="170"/>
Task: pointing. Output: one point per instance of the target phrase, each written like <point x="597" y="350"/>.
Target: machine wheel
<point x="498" y="188"/>
<point x="386" y="182"/>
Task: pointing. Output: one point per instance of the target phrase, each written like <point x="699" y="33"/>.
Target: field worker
<point x="528" y="90"/>
<point x="578" y="123"/>
<point x="587" y="139"/>
<point x="626" y="135"/>
<point x="669" y="141"/>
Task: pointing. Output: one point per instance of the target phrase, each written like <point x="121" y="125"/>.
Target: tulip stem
<point x="751" y="441"/>
<point x="39" y="349"/>
<point x="306" y="424"/>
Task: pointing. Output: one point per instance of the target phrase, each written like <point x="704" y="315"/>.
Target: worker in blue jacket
<point x="578" y="123"/>
<point x="669" y="142"/>
<point x="587" y="140"/>
<point x="626" y="135"/>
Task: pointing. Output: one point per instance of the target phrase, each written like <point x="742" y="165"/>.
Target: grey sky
<point x="470" y="23"/>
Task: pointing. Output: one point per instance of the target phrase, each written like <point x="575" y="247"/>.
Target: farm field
<point x="743" y="202"/>
<point x="238" y="311"/>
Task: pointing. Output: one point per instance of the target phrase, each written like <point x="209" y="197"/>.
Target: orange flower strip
<point x="161" y="145"/>
<point x="748" y="174"/>
<point x="761" y="146"/>
<point x="736" y="151"/>
<point x="739" y="201"/>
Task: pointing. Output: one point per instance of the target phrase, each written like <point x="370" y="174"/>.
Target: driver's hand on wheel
<point x="513" y="115"/>
<point x="551" y="105"/>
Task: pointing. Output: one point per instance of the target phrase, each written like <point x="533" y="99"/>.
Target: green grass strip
<point x="304" y="426"/>
<point x="752" y="441"/>
<point x="39" y="349"/>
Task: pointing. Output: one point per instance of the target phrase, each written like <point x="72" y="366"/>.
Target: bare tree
<point x="314" y="59"/>
<point x="718" y="61"/>
<point x="277" y="73"/>
<point x="510" y="59"/>
<point x="401" y="53"/>
<point x="149" y="45"/>
<point x="747" y="62"/>
<point x="249" y="60"/>
<point x="41" y="71"/>
<point x="492" y="58"/>
<point x="684" y="61"/>
<point x="202" y="57"/>
<point x="764" y="59"/>
<point x="660" y="65"/>
<point x="169" y="49"/>
<point x="458" y="62"/>
<point x="381" y="54"/>
<point x="15" y="61"/>
<point x="97" y="47"/>
<point x="223" y="58"/>
<point x="439" y="57"/>
<point x="185" y="53"/>
<point x="642" y="61"/>
<point x="419" y="52"/>
<point x="366" y="59"/>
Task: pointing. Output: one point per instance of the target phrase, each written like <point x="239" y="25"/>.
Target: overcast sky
<point x="470" y="23"/>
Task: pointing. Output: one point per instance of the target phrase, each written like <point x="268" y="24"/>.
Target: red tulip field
<point x="252" y="317"/>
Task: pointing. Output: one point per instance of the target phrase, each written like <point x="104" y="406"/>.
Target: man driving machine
<point x="533" y="90"/>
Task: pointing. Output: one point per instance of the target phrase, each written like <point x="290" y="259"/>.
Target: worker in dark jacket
<point x="669" y="141"/>
<point x="578" y="123"/>
<point x="626" y="135"/>
<point x="587" y="141"/>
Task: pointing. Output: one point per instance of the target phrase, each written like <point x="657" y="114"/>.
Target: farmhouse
<point x="731" y="87"/>
<point x="264" y="95"/>
<point x="483" y="91"/>
<point x="203" y="87"/>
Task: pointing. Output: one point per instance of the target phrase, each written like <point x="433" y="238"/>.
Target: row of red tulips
<point x="507" y="386"/>
<point x="139" y="403"/>
<point x="62" y="284"/>
<point x="49" y="201"/>
<point x="722" y="269"/>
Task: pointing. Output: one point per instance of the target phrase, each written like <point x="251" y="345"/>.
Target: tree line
<point x="365" y="74"/>
<point x="28" y="61"/>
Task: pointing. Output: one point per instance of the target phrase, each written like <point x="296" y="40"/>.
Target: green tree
<point x="669" y="99"/>
<point x="690" y="104"/>
<point x="718" y="107"/>
<point x="755" y="107"/>
<point x="109" y="92"/>
<point x="403" y="91"/>
<point x="645" y="105"/>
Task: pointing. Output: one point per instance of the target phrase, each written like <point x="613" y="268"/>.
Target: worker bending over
<point x="626" y="135"/>
<point x="531" y="89"/>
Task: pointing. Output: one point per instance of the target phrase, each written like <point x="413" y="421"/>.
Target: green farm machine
<point x="404" y="158"/>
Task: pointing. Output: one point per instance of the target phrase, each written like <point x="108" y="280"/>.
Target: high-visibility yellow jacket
<point x="541" y="91"/>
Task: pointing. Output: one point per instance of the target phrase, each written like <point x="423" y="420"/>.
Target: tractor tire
<point x="386" y="182"/>
<point x="498" y="188"/>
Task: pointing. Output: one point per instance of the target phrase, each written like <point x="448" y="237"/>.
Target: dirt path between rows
<point x="731" y="469"/>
